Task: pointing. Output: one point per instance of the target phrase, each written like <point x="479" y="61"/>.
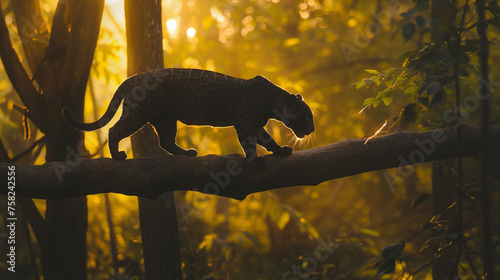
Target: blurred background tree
<point x="314" y="47"/>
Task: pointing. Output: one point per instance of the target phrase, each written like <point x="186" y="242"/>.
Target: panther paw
<point x="284" y="151"/>
<point x="121" y="155"/>
<point x="191" y="153"/>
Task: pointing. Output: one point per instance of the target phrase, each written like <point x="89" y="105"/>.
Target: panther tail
<point x="110" y="112"/>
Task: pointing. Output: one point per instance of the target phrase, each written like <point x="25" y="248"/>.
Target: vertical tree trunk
<point x="71" y="51"/>
<point x="443" y="267"/>
<point x="488" y="252"/>
<point x="158" y="219"/>
<point x="443" y="195"/>
<point x="61" y="68"/>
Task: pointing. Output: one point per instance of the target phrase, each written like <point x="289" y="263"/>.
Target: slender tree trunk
<point x="112" y="236"/>
<point x="158" y="219"/>
<point x="443" y="181"/>
<point x="488" y="253"/>
<point x="444" y="262"/>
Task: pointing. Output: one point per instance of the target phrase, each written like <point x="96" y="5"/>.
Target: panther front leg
<point x="248" y="141"/>
<point x="266" y="141"/>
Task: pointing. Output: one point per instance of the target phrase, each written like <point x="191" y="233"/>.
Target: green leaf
<point x="389" y="81"/>
<point x="435" y="218"/>
<point x="411" y="90"/>
<point x="370" y="232"/>
<point x="368" y="82"/>
<point x="390" y="70"/>
<point x="381" y="93"/>
<point x="421" y="21"/>
<point x="427" y="244"/>
<point x="376" y="80"/>
<point x="423" y="197"/>
<point x="358" y="84"/>
<point x="401" y="79"/>
<point x="408" y="30"/>
<point x="437" y="99"/>
<point x="393" y="251"/>
<point x="389" y="254"/>
<point x="408" y="14"/>
<point x="376" y="102"/>
<point x="433" y="88"/>
<point x="386" y="267"/>
<point x="371" y="71"/>
<point x="368" y="101"/>
<point x="387" y="99"/>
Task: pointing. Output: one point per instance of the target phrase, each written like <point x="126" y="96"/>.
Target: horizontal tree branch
<point x="28" y="205"/>
<point x="231" y="175"/>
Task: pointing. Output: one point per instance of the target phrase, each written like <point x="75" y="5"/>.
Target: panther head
<point x="298" y="116"/>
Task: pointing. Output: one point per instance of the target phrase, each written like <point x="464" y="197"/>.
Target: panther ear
<point x="299" y="97"/>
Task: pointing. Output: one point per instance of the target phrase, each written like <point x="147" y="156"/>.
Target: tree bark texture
<point x="60" y="63"/>
<point x="485" y="90"/>
<point x="160" y="240"/>
<point x="444" y="260"/>
<point x="231" y="176"/>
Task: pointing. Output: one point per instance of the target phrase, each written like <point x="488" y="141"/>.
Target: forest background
<point x="318" y="49"/>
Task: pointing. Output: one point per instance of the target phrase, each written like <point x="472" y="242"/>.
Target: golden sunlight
<point x="218" y="15"/>
<point x="173" y="28"/>
<point x="111" y="2"/>
<point x="191" y="32"/>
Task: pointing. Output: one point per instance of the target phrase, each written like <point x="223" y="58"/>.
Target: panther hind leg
<point x="122" y="129"/>
<point x="167" y="130"/>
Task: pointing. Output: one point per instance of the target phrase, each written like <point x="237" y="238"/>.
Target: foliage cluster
<point x="439" y="85"/>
